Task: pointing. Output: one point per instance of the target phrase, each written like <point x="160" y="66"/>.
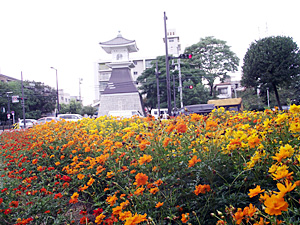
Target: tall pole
<point x="80" y="79"/>
<point x="23" y="101"/>
<point x="167" y="67"/>
<point x="180" y="83"/>
<point x="174" y="92"/>
<point x="57" y="96"/>
<point x="157" y="87"/>
<point x="268" y="97"/>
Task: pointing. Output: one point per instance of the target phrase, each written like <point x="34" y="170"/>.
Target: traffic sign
<point x="15" y="99"/>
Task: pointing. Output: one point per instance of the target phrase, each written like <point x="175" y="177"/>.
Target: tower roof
<point x="118" y="42"/>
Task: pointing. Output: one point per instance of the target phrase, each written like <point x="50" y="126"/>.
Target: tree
<point x="74" y="107"/>
<point x="271" y="62"/>
<point x="190" y="76"/>
<point x="214" y="59"/>
<point x="40" y="99"/>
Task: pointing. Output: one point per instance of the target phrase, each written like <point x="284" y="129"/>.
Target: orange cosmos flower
<point x="80" y="176"/>
<point x="14" y="204"/>
<point x="255" y="191"/>
<point x="139" y="191"/>
<point x="193" y="161"/>
<point x="166" y="141"/>
<point x="59" y="195"/>
<point x="141" y="179"/>
<point x="159" y="204"/>
<point x="249" y="211"/>
<point x="202" y="189"/>
<point x="34" y="161"/>
<point x="136" y="219"/>
<point x="124" y="215"/>
<point x="279" y="174"/>
<point x="90" y="182"/>
<point x="285" y="188"/>
<point x="111" y="200"/>
<point x="181" y="128"/>
<point x="144" y="159"/>
<point x="238" y="216"/>
<point x="117" y="210"/>
<point x="185" y="217"/>
<point x="170" y="128"/>
<point x="154" y="190"/>
<point x="110" y="174"/>
<point x="275" y="205"/>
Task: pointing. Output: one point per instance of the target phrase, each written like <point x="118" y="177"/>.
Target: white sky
<point x="65" y="34"/>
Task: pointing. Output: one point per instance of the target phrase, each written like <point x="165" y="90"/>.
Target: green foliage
<point x="74" y="107"/>
<point x="189" y="76"/>
<point x="274" y="63"/>
<point x="213" y="59"/>
<point x="39" y="99"/>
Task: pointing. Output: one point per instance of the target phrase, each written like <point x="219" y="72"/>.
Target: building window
<point x="171" y="40"/>
<point x="102" y="85"/>
<point x="135" y="73"/>
<point x="148" y="64"/>
<point x="222" y="91"/>
<point x="135" y="62"/>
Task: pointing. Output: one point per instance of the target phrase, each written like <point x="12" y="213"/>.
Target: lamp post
<point x="80" y="80"/>
<point x="57" y="111"/>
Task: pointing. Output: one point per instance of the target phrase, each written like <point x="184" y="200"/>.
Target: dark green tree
<point x="272" y="62"/>
<point x="190" y="76"/>
<point x="40" y="99"/>
<point x="88" y="110"/>
<point x="214" y="59"/>
<point x="74" y="107"/>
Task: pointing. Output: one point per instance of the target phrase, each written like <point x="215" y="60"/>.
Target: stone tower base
<point x="116" y="102"/>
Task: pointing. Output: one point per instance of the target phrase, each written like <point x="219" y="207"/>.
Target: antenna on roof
<point x="119" y="34"/>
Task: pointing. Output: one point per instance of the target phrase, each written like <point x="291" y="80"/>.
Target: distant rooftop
<point x="5" y="78"/>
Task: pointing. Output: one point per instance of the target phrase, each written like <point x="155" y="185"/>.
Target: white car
<point x="69" y="117"/>
<point x="125" y="113"/>
<point x="46" y="119"/>
<point x="28" y="122"/>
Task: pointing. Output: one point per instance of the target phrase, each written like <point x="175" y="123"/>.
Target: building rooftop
<point x="119" y="41"/>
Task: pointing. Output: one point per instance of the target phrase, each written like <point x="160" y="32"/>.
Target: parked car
<point x="125" y="113"/>
<point x="69" y="117"/>
<point x="163" y="113"/>
<point x="47" y="119"/>
<point x="28" y="122"/>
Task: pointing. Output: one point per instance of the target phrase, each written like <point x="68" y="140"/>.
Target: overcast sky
<point x="38" y="34"/>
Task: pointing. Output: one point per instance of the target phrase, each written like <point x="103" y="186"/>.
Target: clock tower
<point x="121" y="92"/>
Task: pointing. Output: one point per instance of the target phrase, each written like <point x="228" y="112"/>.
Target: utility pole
<point x="80" y="79"/>
<point x="23" y="101"/>
<point x="167" y="67"/>
<point x="180" y="83"/>
<point x="157" y="88"/>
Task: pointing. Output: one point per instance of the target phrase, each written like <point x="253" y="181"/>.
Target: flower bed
<point x="227" y="167"/>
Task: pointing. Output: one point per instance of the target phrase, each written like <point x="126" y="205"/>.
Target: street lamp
<point x="56" y="91"/>
<point x="80" y="80"/>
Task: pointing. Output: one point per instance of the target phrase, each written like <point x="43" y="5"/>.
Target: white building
<point x="103" y="73"/>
